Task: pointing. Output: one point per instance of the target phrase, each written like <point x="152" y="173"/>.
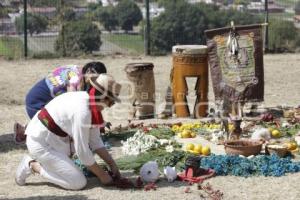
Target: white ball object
<point x="170" y="173"/>
<point x="149" y="172"/>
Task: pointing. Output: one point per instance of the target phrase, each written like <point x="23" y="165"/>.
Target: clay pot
<point x="243" y="147"/>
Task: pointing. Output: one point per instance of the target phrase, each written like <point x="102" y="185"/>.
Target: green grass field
<point x="4" y="51"/>
<point x="133" y="43"/>
<point x="287" y="3"/>
<point x="11" y="47"/>
<point x="283" y="15"/>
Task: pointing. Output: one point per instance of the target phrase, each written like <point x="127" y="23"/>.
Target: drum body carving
<point x="142" y="89"/>
<point x="190" y="61"/>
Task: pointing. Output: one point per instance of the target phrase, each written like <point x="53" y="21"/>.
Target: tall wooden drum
<point x="142" y="90"/>
<point x="190" y="61"/>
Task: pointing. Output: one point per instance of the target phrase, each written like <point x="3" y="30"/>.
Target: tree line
<point x="180" y="23"/>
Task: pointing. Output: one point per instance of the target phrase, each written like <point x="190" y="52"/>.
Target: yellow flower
<point x="181" y="128"/>
<point x="197" y="126"/>
<point x="175" y="128"/>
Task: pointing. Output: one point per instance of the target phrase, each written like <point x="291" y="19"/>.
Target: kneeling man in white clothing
<point x="70" y="120"/>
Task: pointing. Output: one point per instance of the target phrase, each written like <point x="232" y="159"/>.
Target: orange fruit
<point x="198" y="148"/>
<point x="179" y="135"/>
<point x="190" y="146"/>
<point x="193" y="134"/>
<point x="276" y="134"/>
<point x="270" y="129"/>
<point x="205" y="151"/>
<point x="186" y="133"/>
<point x="193" y="152"/>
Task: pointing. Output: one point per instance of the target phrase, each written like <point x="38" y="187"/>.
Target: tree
<point x="3" y="12"/>
<point x="53" y="3"/>
<point x="283" y="36"/>
<point x="166" y="3"/>
<point x="78" y="37"/>
<point x="239" y="18"/>
<point x="43" y="3"/>
<point x="241" y="2"/>
<point x="181" y="23"/>
<point x="107" y="17"/>
<point x="297" y="8"/>
<point x="69" y="15"/>
<point x="214" y="20"/>
<point x="94" y="6"/>
<point x="35" y="23"/>
<point x="128" y="14"/>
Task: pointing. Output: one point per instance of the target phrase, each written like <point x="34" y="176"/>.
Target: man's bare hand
<point x="108" y="125"/>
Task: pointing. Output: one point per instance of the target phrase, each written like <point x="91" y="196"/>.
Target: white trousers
<point x="56" y="167"/>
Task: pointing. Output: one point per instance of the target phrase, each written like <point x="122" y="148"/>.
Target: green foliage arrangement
<point x="161" y="133"/>
<point x="163" y="158"/>
<point x="119" y="135"/>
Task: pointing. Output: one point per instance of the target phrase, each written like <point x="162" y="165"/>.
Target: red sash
<point x="50" y="124"/>
<point x="97" y="118"/>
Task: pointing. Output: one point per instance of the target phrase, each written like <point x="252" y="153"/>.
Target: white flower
<point x="169" y="148"/>
<point x="138" y="143"/>
<point x="285" y="124"/>
<point x="217" y="136"/>
<point x="163" y="141"/>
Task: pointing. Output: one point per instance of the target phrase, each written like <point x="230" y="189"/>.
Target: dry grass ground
<point x="282" y="87"/>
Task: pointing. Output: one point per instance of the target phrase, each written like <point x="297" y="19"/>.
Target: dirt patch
<point x="282" y="87"/>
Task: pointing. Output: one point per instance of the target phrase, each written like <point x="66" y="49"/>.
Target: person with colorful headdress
<point x="70" y="124"/>
<point x="62" y="79"/>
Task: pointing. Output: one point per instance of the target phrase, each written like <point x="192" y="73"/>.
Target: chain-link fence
<point x="54" y="29"/>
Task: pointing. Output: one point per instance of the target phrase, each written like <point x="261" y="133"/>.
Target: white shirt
<point x="72" y="114"/>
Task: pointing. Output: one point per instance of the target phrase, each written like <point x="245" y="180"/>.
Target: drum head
<point x="132" y="67"/>
<point x="189" y="49"/>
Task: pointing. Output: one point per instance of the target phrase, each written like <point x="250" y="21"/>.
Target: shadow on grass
<point x="52" y="197"/>
<point x="7" y="143"/>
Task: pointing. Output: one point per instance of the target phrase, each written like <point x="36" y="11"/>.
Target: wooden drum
<point x="142" y="90"/>
<point x="190" y="61"/>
